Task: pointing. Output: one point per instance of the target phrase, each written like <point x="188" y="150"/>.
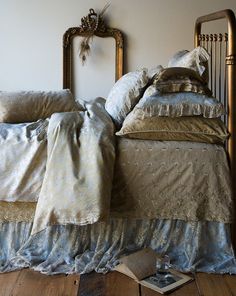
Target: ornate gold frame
<point x="101" y="31"/>
<point x="230" y="62"/>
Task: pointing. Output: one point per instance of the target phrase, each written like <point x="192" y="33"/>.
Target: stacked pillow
<point x="192" y="128"/>
<point x="125" y="94"/>
<point x="127" y="91"/>
<point x="178" y="105"/>
<point x="197" y="60"/>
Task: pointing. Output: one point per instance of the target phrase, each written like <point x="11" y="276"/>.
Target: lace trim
<point x="17" y="211"/>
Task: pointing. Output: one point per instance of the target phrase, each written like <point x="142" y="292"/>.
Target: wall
<point x="31" y="35"/>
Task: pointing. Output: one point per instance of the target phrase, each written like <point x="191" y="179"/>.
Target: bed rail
<point x="222" y="75"/>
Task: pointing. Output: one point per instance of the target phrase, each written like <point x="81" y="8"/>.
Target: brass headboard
<point x="222" y="76"/>
<point x="222" y="72"/>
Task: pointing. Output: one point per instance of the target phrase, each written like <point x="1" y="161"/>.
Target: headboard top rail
<point x="227" y="14"/>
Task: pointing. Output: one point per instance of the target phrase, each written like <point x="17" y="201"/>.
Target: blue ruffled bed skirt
<point x="192" y="246"/>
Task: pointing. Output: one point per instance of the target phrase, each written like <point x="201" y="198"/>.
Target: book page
<point x="165" y="282"/>
<point x="141" y="264"/>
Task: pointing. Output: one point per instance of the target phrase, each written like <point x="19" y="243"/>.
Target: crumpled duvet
<point x="77" y="183"/>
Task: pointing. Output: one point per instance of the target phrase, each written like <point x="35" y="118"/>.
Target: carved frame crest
<point x="97" y="28"/>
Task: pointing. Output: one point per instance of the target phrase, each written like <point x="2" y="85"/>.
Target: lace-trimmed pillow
<point x="29" y="106"/>
<point x="125" y="94"/>
<point x="197" y="60"/>
<point x="194" y="129"/>
<point x="178" y="104"/>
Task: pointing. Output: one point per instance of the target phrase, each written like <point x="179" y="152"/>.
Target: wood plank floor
<point x="30" y="283"/>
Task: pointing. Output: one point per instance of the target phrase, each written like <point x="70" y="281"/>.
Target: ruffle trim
<point x="178" y="110"/>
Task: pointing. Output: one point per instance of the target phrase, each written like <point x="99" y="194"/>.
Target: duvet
<point x="72" y="184"/>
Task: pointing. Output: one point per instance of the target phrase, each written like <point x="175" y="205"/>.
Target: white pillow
<point x="197" y="60"/>
<point x="125" y="94"/>
<point x="154" y="71"/>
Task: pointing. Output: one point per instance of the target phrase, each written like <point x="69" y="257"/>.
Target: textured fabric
<point x="197" y="59"/>
<point x="77" y="183"/>
<point x="178" y="79"/>
<point x="196" y="246"/>
<point x="125" y="94"/>
<point x="17" y="211"/>
<point x="178" y="104"/>
<point x="23" y="160"/>
<point x="172" y="180"/>
<point x="27" y="106"/>
<point x="190" y="128"/>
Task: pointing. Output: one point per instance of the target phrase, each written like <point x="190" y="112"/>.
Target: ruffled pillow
<point x="125" y="94"/>
<point x="179" y="104"/>
<point x="29" y="106"/>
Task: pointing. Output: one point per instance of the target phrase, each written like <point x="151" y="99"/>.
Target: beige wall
<point x="31" y="35"/>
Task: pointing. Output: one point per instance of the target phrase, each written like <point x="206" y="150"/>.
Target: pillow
<point x="154" y="71"/>
<point x="179" y="79"/>
<point x="195" y="129"/>
<point x="197" y="60"/>
<point x="179" y="104"/>
<point x="28" y="106"/>
<point x="125" y="94"/>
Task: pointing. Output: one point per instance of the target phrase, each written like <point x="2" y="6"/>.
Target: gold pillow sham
<point x="179" y="79"/>
<point x="190" y="128"/>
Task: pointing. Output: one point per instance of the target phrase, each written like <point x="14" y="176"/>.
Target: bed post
<point x="231" y="86"/>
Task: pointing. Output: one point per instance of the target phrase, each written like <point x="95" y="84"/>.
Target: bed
<point x="180" y="208"/>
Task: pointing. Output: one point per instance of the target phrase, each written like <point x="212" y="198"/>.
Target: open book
<point x="141" y="266"/>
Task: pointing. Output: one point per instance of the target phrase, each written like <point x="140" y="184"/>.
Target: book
<point x="141" y="266"/>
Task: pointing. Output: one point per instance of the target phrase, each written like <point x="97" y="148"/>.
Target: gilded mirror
<point x="92" y="26"/>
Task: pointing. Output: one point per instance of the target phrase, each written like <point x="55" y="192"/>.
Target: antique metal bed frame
<point x="222" y="77"/>
<point x="222" y="66"/>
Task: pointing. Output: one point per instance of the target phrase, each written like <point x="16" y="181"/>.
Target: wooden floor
<point x="30" y="283"/>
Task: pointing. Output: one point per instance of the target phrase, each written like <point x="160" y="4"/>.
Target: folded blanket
<point x="77" y="183"/>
